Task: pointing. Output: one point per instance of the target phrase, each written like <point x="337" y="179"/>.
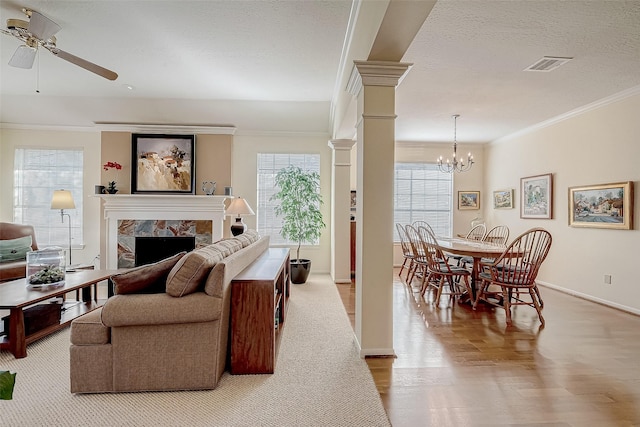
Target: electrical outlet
<point x="607" y="279"/>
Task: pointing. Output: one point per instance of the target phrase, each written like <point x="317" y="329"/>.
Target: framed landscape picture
<point x="468" y="200"/>
<point x="162" y="163"/>
<point x="536" y="200"/>
<point x="602" y="206"/>
<point x="503" y="199"/>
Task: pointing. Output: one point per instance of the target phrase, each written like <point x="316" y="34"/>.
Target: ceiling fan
<point x="39" y="31"/>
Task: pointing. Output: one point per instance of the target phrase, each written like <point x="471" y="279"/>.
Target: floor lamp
<point x="238" y="206"/>
<point x="62" y="199"/>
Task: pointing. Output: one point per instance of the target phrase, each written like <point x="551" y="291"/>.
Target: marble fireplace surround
<point x="134" y="208"/>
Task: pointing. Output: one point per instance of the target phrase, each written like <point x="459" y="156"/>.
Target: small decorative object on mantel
<point x="111" y="186"/>
<point x="209" y="187"/>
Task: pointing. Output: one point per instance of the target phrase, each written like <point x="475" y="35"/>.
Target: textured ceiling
<point x="273" y="65"/>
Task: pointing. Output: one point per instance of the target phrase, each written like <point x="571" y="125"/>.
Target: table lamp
<point x="62" y="199"/>
<point x="239" y="207"/>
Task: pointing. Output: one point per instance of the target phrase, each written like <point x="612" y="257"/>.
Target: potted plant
<point x="299" y="194"/>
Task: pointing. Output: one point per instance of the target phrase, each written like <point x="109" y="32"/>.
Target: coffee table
<point x="15" y="296"/>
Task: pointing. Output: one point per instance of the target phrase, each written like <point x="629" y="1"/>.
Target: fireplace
<point x="128" y="216"/>
<point x="153" y="249"/>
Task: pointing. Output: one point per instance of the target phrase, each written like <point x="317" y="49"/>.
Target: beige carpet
<point x="319" y="381"/>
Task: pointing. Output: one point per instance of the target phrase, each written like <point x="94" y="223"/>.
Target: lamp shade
<point x="239" y="206"/>
<point x="62" y="199"/>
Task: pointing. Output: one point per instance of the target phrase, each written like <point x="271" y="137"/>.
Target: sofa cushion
<point x="248" y="237"/>
<point x="149" y="278"/>
<point x="15" y="249"/>
<point x="188" y="275"/>
<point x="229" y="246"/>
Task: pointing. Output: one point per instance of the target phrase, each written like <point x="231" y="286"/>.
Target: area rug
<point x="319" y="381"/>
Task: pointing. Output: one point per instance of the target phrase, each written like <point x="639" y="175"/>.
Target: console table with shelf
<point x="259" y="296"/>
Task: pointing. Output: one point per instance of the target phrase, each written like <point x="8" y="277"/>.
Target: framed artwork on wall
<point x="536" y="196"/>
<point x="162" y="163"/>
<point x="503" y="199"/>
<point x="468" y="200"/>
<point x="602" y="206"/>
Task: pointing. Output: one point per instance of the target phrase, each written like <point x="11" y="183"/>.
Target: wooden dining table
<point x="472" y="248"/>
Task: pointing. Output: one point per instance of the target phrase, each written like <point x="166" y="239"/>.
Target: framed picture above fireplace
<point x="162" y="163"/>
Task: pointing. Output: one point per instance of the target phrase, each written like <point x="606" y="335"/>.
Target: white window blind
<point x="424" y="193"/>
<point x="37" y="173"/>
<point x="268" y="166"/>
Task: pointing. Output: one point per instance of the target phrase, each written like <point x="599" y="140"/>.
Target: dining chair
<point x="407" y="252"/>
<point x="477" y="232"/>
<point x="419" y="264"/>
<point x="498" y="235"/>
<point x="440" y="273"/>
<point x="515" y="272"/>
<point x="420" y="223"/>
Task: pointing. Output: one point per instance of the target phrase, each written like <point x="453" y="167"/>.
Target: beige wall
<point x="244" y="178"/>
<point x="89" y="141"/>
<point x="597" y="147"/>
<point x="213" y="160"/>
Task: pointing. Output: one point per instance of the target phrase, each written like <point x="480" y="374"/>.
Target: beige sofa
<point x="173" y="340"/>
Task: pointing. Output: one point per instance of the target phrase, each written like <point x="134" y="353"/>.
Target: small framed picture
<point x="353" y="200"/>
<point x="536" y="196"/>
<point x="503" y="199"/>
<point x="602" y="206"/>
<point x="468" y="200"/>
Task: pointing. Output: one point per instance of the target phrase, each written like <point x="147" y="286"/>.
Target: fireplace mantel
<point x="157" y="207"/>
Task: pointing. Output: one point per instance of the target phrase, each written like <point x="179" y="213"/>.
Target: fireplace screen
<point x="153" y="249"/>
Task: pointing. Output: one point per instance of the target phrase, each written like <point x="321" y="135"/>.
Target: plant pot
<point x="300" y="269"/>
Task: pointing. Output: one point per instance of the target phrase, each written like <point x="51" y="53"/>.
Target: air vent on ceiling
<point x="548" y="63"/>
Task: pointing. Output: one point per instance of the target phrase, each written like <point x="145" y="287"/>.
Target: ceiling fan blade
<point x="23" y="57"/>
<point x="41" y="26"/>
<point x="89" y="66"/>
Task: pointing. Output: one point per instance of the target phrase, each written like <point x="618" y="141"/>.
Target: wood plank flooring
<point x="459" y="367"/>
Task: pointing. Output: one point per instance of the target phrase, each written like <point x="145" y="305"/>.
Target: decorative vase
<point x="209" y="187"/>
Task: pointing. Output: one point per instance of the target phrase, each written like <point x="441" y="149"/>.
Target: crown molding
<point x="166" y="128"/>
<point x="59" y="128"/>
<point x="573" y="113"/>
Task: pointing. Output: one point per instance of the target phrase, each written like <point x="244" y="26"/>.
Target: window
<point x="422" y="192"/>
<point x="37" y="172"/>
<point x="268" y="166"/>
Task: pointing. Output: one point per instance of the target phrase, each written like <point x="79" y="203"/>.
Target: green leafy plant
<point x="7" y="382"/>
<point x="300" y="200"/>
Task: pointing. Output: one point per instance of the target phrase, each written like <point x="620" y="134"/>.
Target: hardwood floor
<point x="459" y="367"/>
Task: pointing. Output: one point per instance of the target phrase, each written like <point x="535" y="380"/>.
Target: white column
<point x="374" y="82"/>
<point x="340" y="212"/>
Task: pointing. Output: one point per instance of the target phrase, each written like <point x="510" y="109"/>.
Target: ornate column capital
<point x="376" y="73"/>
<point x="341" y="144"/>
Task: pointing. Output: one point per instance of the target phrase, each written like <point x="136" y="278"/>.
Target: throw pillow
<point x="15" y="249"/>
<point x="148" y="279"/>
<point x="189" y="273"/>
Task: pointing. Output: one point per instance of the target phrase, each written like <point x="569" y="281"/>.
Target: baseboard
<point x="590" y="298"/>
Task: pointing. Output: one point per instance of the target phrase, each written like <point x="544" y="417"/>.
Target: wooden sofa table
<point x="259" y="296"/>
<point x="15" y="296"/>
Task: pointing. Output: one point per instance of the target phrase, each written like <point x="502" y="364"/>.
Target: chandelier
<point x="458" y="164"/>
